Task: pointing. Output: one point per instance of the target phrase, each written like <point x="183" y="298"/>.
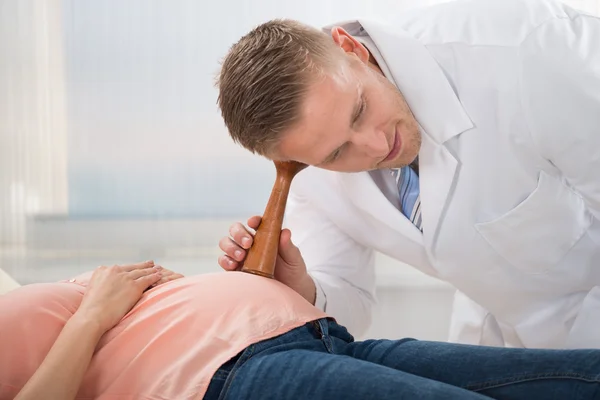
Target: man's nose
<point x="373" y="143"/>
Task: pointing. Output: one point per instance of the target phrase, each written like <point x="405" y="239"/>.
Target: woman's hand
<point x="113" y="291"/>
<point x="167" y="276"/>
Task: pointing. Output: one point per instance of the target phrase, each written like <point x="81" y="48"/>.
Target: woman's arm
<point x="112" y="292"/>
<point x="60" y="374"/>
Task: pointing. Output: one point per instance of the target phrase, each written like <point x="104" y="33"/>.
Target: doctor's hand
<point x="290" y="268"/>
<point x="113" y="291"/>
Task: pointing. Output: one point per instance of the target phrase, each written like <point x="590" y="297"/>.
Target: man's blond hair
<point x="264" y="79"/>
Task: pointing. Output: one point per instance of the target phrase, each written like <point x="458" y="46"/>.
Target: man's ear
<point x="349" y="44"/>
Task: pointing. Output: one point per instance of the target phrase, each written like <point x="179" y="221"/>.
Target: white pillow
<point x="7" y="283"/>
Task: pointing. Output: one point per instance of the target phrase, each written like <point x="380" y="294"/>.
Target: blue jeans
<point x="321" y="361"/>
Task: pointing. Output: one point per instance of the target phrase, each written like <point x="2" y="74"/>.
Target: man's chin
<point x="399" y="162"/>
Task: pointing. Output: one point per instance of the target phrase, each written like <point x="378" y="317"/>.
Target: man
<point x="463" y="139"/>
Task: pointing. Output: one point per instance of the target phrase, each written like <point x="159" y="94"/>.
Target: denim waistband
<point x="318" y="329"/>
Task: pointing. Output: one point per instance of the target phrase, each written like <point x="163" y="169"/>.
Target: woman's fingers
<point x="148" y="280"/>
<point x="167" y="276"/>
<point x="138" y="273"/>
<point x="131" y="267"/>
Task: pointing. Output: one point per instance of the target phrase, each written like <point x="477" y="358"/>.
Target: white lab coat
<point x="507" y="93"/>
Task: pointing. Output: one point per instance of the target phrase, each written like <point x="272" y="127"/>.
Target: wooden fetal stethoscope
<point x="262" y="256"/>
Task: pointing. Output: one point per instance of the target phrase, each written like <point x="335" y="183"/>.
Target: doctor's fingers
<point x="228" y="264"/>
<point x="254" y="222"/>
<point x="240" y="235"/>
<point x="232" y="249"/>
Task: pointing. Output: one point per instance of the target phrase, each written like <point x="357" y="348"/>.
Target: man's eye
<point x="361" y="110"/>
<point x="337" y="155"/>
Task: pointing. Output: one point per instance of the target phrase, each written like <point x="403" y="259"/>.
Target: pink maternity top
<point x="167" y="347"/>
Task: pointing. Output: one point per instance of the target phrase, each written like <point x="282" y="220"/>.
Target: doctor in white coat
<point x="506" y="95"/>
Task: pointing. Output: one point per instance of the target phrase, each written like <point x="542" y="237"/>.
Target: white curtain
<point x="151" y="118"/>
<point x="33" y="146"/>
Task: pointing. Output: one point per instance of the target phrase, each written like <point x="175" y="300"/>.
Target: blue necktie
<point x="407" y="181"/>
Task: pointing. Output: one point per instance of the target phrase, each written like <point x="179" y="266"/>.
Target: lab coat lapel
<point x="365" y="194"/>
<point x="437" y="174"/>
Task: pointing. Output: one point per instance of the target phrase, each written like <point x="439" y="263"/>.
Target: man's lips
<point x="395" y="148"/>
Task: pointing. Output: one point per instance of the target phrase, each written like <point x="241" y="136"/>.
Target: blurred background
<point x="112" y="149"/>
